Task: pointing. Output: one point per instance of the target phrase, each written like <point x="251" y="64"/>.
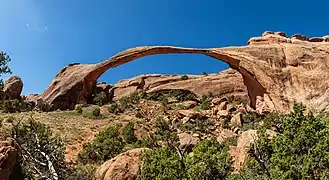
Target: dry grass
<point x="72" y="128"/>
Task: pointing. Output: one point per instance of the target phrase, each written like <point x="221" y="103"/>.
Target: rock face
<point x="278" y="69"/>
<point x="13" y="87"/>
<point x="8" y="155"/>
<point x="228" y="82"/>
<point x="125" y="166"/>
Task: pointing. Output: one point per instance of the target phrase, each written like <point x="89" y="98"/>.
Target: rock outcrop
<point x="8" y="157"/>
<point x="278" y="69"/>
<point x="125" y="166"/>
<point x="13" y="87"/>
<point x="228" y="82"/>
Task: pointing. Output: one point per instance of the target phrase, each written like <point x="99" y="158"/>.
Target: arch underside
<point x="254" y="88"/>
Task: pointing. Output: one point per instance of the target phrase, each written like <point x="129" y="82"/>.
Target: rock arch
<point x="274" y="69"/>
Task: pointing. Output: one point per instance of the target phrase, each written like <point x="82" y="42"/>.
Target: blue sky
<point x="42" y="36"/>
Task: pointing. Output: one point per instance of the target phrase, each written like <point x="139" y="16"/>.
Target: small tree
<point x="4" y="60"/>
<point x="42" y="154"/>
<point x="209" y="160"/>
<point x="184" y="77"/>
<point x="100" y="98"/>
<point x="161" y="163"/>
<point x="129" y="133"/>
<point x="4" y="69"/>
<point x="106" y="145"/>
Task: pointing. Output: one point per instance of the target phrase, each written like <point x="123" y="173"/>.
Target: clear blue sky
<point x="42" y="36"/>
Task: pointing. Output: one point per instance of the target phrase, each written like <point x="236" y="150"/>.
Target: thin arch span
<point x="237" y="58"/>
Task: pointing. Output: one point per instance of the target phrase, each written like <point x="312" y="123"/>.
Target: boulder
<point x="226" y="134"/>
<point x="222" y="114"/>
<point x="237" y="119"/>
<point x="186" y="140"/>
<point x="8" y="159"/>
<point x="124" y="166"/>
<point x="187" y="104"/>
<point x="13" y="87"/>
<point x="240" y="152"/>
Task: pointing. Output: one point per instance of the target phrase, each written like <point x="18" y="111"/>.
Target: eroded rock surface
<point x="13" y="87"/>
<point x="274" y="67"/>
<point x="8" y="159"/>
<point x="228" y="82"/>
<point x="125" y="166"/>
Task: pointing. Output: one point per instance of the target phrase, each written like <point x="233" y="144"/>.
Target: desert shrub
<point x="41" y="154"/>
<point x="106" y="145"/>
<point x="208" y="160"/>
<point x="166" y="134"/>
<point x="125" y="103"/>
<point x="82" y="172"/>
<point x="205" y="102"/>
<point x="204" y="73"/>
<point x="201" y="125"/>
<point x="100" y="99"/>
<point x="79" y="110"/>
<point x="180" y="95"/>
<point x="128" y="133"/>
<point x="295" y="152"/>
<point x="184" y="77"/>
<point x="96" y="112"/>
<point x="138" y="114"/>
<point x="113" y="108"/>
<point x="43" y="106"/>
<point x="11" y="106"/>
<point x="93" y="113"/>
<point x="161" y="163"/>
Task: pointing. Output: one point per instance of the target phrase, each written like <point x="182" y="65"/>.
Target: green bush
<point x="209" y="160"/>
<point x="100" y="99"/>
<point x="79" y="110"/>
<point x="161" y="163"/>
<point x="96" y="112"/>
<point x="166" y="134"/>
<point x="125" y="103"/>
<point x="82" y="172"/>
<point x="113" y="108"/>
<point x="43" y="106"/>
<point x="129" y="133"/>
<point x="11" y="106"/>
<point x="180" y="95"/>
<point x="298" y="152"/>
<point x="40" y="151"/>
<point x="106" y="145"/>
<point x="205" y="102"/>
<point x="93" y="113"/>
<point x="184" y="77"/>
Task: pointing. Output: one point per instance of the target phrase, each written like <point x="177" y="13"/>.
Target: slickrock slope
<point x="276" y="70"/>
<point x="225" y="83"/>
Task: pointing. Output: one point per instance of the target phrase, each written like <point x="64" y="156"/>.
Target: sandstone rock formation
<point x="278" y="69"/>
<point x="228" y="82"/>
<point x="8" y="155"/>
<point x="125" y="166"/>
<point x="13" y="87"/>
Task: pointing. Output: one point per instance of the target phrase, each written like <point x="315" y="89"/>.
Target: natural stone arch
<point x="77" y="79"/>
<point x="276" y="70"/>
